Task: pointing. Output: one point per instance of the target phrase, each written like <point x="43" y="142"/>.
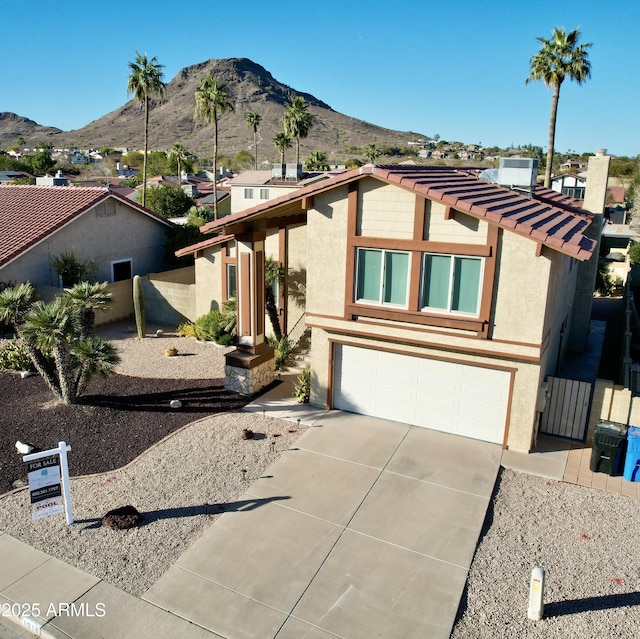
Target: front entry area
<point x="451" y="397"/>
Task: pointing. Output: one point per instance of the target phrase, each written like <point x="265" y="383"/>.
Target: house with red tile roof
<point x="432" y="296"/>
<point x="40" y="222"/>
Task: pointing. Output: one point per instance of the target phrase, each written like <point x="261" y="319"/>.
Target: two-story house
<point x="434" y="297"/>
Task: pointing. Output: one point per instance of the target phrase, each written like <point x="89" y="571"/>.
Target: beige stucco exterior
<point x="111" y="231"/>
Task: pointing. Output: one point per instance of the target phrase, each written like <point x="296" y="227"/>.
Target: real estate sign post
<point x="48" y="474"/>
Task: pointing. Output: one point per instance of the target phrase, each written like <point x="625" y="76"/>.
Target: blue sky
<point x="457" y="69"/>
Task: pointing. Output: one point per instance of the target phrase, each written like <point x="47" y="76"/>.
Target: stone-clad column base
<point x="247" y="373"/>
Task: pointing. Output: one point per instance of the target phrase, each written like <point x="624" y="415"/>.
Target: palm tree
<point x="180" y="154"/>
<point x="86" y="299"/>
<point x="317" y="161"/>
<point x="146" y="80"/>
<point x="282" y="141"/>
<point x="372" y="153"/>
<point x="212" y="103"/>
<point x="253" y="122"/>
<point x="297" y="121"/>
<point x="273" y="275"/>
<point x="559" y="57"/>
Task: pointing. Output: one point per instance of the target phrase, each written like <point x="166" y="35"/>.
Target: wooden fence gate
<point x="566" y="412"/>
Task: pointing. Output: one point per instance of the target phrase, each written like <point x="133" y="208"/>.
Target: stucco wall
<point x="111" y="231"/>
<point x="520" y="290"/>
<point x="327" y="252"/>
<point x="208" y="276"/>
<point x="297" y="275"/>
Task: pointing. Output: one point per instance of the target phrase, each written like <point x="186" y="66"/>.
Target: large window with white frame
<point x="382" y="277"/>
<point x="451" y="284"/>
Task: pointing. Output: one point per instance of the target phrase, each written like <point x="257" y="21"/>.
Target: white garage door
<point x="446" y="396"/>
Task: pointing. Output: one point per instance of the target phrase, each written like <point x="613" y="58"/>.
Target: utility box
<point x="632" y="460"/>
<point x="609" y="448"/>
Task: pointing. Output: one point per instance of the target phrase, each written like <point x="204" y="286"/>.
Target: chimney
<point x="597" y="179"/>
<point x="594" y="199"/>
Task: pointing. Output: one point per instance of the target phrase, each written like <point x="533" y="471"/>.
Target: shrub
<point x="215" y="326"/>
<point x="604" y="282"/>
<point x="188" y="329"/>
<point x="281" y="351"/>
<point x="634" y="253"/>
<point x="14" y="356"/>
<point x="302" y="389"/>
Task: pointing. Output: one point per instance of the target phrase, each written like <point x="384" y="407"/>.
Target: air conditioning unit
<point x="518" y="173"/>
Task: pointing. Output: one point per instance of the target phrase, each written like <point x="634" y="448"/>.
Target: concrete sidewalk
<point x="365" y="528"/>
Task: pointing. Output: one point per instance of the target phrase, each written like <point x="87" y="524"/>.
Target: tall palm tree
<point x="559" y="57"/>
<point x="212" y="103"/>
<point x="253" y="122"/>
<point x="297" y="121"/>
<point x="146" y="80"/>
<point x="282" y="142"/>
<point x="180" y="154"/>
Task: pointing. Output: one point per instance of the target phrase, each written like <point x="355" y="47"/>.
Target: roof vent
<point x="518" y="174"/>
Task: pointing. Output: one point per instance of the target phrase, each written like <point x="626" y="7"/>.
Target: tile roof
<point x="29" y="214"/>
<point x="550" y="218"/>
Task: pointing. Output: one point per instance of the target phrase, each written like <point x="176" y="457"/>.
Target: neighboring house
<point x="433" y="297"/>
<point x="570" y="184"/>
<point x="254" y="187"/>
<point x="39" y="222"/>
<point x="7" y="177"/>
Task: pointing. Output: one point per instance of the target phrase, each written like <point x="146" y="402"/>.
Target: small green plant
<point x="604" y="282"/>
<point x="187" y="329"/>
<point x="14" y="356"/>
<point x="302" y="389"/>
<point x="634" y="253"/>
<point x="217" y="326"/>
<point x="73" y="270"/>
<point x="282" y="349"/>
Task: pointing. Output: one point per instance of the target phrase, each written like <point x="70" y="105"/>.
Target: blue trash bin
<point x="632" y="460"/>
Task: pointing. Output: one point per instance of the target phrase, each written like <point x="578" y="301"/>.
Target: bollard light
<point x="536" y="595"/>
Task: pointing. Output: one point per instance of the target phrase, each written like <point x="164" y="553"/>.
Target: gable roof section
<point x="212" y="241"/>
<point x="29" y="214"/>
<point x="549" y="218"/>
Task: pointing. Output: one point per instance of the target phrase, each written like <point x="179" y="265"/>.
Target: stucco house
<point x="39" y="222"/>
<point x="433" y="297"/>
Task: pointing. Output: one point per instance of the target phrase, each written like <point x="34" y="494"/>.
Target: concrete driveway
<point x="366" y="529"/>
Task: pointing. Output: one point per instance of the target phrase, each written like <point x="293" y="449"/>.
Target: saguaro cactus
<point x="138" y="305"/>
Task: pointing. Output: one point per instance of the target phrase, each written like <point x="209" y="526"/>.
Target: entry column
<point x="250" y="367"/>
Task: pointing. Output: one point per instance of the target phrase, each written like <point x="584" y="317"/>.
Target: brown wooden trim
<point x="246" y="359"/>
<point x="419" y="218"/>
<point x="385" y="338"/>
<point x="352" y="225"/>
<point x="307" y="202"/>
<point x="331" y="369"/>
<point x="283" y="287"/>
<point x="486" y="299"/>
<point x="244" y="298"/>
<point x="417" y="317"/>
<point x="539" y="248"/>
<point x="424" y="246"/>
<point x="225" y="260"/>
<point x="448" y="213"/>
<point x="508" y="415"/>
<point x="282" y="222"/>
<point x="414" y="276"/>
<point x="259" y="283"/>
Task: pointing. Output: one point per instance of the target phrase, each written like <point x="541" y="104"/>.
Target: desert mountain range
<point x="172" y="119"/>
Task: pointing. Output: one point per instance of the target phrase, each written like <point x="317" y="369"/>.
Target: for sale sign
<point x="45" y="486"/>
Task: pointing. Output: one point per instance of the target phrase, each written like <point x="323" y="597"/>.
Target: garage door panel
<point x="446" y="396"/>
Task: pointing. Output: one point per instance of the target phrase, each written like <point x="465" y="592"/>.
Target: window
<point x="248" y="194"/>
<point x="451" y="283"/>
<point x="382" y="277"/>
<point x="121" y="270"/>
<point x="264" y="194"/>
<point x="232" y="286"/>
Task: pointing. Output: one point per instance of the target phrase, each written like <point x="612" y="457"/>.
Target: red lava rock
<point x="122" y="518"/>
<point x="247" y="433"/>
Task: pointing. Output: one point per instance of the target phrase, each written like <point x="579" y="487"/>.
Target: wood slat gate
<point x="567" y="409"/>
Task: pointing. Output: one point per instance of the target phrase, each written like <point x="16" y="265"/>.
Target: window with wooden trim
<point x="232" y="282"/>
<point x="451" y="284"/>
<point x="382" y="277"/>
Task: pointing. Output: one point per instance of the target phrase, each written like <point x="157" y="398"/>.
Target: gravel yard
<point x="588" y="541"/>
